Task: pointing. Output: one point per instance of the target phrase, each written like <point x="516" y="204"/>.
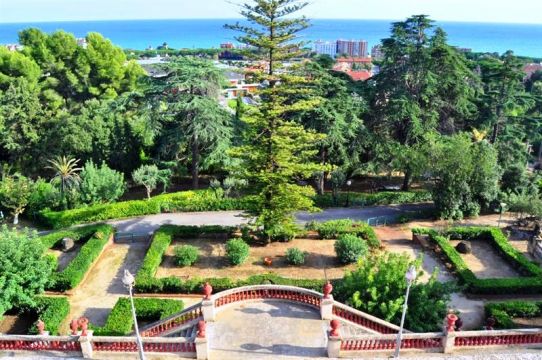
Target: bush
<point x="334" y="228"/>
<point x="72" y="275"/>
<point x="186" y="255"/>
<point x="100" y="184"/>
<point x="52" y="311"/>
<point x="201" y="200"/>
<point x="120" y="321"/>
<point x="294" y="256"/>
<point x="349" y="248"/>
<point x="379" y="198"/>
<point x="504" y="312"/>
<point x="44" y="196"/>
<point x="237" y="251"/>
<point x="283" y="232"/>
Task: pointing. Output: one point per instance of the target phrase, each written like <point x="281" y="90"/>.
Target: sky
<point x="516" y="11"/>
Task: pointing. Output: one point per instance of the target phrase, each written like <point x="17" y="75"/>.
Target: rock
<point x="464" y="247"/>
<point x="67" y="244"/>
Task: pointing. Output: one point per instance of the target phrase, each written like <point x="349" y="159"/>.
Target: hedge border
<point x="52" y="310"/>
<point x="78" y="267"/>
<point x="531" y="284"/>
<point x="120" y="320"/>
<point x="505" y="311"/>
<point x="146" y="282"/>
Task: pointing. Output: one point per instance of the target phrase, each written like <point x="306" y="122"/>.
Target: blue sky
<point x="516" y="11"/>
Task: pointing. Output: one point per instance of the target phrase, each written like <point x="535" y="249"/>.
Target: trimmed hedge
<point x="335" y="228"/>
<point x="505" y="312"/>
<point x="120" y="321"/>
<point x="201" y="200"/>
<point x="147" y="283"/>
<point x="72" y="275"/>
<point x="370" y="199"/>
<point x="530" y="284"/>
<point x="54" y="238"/>
<point x="52" y="311"/>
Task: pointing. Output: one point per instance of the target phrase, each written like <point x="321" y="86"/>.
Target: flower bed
<point x="71" y="276"/>
<point x="530" y="283"/>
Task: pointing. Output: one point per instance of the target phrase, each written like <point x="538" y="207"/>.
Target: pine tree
<point x="278" y="153"/>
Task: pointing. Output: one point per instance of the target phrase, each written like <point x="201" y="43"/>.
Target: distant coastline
<point x="523" y="39"/>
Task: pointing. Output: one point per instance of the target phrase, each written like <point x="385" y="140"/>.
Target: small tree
<point x="186" y="255"/>
<point x="15" y="193"/>
<point x="295" y="256"/>
<point x="100" y="184"/>
<point x="237" y="251"/>
<point x="66" y="175"/>
<point x="25" y="270"/>
<point x="350" y="248"/>
<point x="148" y="176"/>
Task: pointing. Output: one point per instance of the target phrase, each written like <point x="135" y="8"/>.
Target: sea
<point x="523" y="39"/>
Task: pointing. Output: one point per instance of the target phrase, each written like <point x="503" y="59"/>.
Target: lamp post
<point x="128" y="280"/>
<point x="502" y="206"/>
<point x="410" y="276"/>
<point x="348" y="184"/>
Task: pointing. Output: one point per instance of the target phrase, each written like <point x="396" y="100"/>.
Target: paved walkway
<point x="148" y="224"/>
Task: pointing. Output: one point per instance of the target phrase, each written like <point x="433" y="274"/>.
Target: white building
<point x="325" y="48"/>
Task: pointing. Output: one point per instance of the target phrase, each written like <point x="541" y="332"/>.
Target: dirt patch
<point x="530" y="323"/>
<point x="18" y="324"/>
<point x="485" y="262"/>
<point x="64" y="258"/>
<point x="212" y="261"/>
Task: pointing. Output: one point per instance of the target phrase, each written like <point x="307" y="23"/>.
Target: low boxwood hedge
<point x="120" y="321"/>
<point x="72" y="275"/>
<point x="531" y="283"/>
<point x="201" y="200"/>
<point x="51" y="310"/>
<point x="335" y="228"/>
<point x="505" y="312"/>
<point x="370" y="199"/>
<point x="146" y="282"/>
<point x="84" y="232"/>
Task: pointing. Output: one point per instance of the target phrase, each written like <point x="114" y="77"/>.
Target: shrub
<point x="379" y="198"/>
<point x="72" y="275"/>
<point x="120" y="320"/>
<point x="349" y="248"/>
<point x="52" y="311"/>
<point x="285" y="232"/>
<point x="44" y="196"/>
<point x="335" y="228"/>
<point x="504" y="312"/>
<point x="100" y="184"/>
<point x="237" y="251"/>
<point x="294" y="256"/>
<point x="186" y="255"/>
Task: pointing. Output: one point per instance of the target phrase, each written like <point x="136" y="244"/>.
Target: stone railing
<point x="497" y="338"/>
<point x="267" y="292"/>
<point x="150" y="345"/>
<point x="384" y="343"/>
<point x="370" y="322"/>
<point x="188" y="315"/>
<point x="39" y="342"/>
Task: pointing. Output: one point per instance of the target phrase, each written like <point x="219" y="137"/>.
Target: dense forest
<point x="77" y="121"/>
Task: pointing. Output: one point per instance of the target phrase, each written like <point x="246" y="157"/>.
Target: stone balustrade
<point x="39" y="342"/>
<point x="376" y="325"/>
<point x="171" y="323"/>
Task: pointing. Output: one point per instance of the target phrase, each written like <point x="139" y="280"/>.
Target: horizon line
<point x="240" y="18"/>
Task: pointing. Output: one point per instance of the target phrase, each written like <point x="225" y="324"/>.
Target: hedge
<point x="201" y="200"/>
<point x="51" y="310"/>
<point x="505" y="312"/>
<point x="530" y="284"/>
<point x="120" y="321"/>
<point x="52" y="239"/>
<point x="370" y="199"/>
<point x="334" y="228"/>
<point x="72" y="275"/>
<point x="147" y="283"/>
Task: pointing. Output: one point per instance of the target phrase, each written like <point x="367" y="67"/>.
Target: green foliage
<point x="295" y="256"/>
<point x="335" y="228"/>
<point x="148" y="176"/>
<point x="203" y="200"/>
<point x="350" y="248"/>
<point x="25" y="271"/>
<point x="505" y="312"/>
<point x="44" y="196"/>
<point x="531" y="284"/>
<point x="15" y="192"/>
<point x="120" y="321"/>
<point x="377" y="286"/>
<point x="72" y="275"/>
<point x="237" y="251"/>
<point x="372" y="199"/>
<point x="100" y="184"/>
<point x="52" y="311"/>
<point x="186" y="255"/>
<point x="83" y="232"/>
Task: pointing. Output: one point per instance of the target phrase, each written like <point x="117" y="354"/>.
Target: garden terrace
<point x="92" y="239"/>
<point x="530" y="274"/>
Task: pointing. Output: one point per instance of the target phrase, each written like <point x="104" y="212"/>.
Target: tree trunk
<point x="148" y="192"/>
<point x="195" y="162"/>
<point x="16" y="218"/>
<point x="406" y="181"/>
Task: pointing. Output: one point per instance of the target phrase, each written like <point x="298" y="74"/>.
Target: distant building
<point x="530" y="69"/>
<point x="325" y="48"/>
<point x="354" y="48"/>
<point x="164" y="46"/>
<point x="227" y="45"/>
<point x="376" y="52"/>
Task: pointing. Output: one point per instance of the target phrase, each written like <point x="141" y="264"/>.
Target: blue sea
<point x="523" y="39"/>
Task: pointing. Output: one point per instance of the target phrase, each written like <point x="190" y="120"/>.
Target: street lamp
<point x="502" y="206"/>
<point x="410" y="276"/>
<point x="128" y="280"/>
<point x="348" y="184"/>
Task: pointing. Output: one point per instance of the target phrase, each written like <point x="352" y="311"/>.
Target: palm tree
<point x="66" y="173"/>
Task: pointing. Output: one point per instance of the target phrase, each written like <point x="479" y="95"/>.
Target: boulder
<point x="464" y="247"/>
<point x="67" y="244"/>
